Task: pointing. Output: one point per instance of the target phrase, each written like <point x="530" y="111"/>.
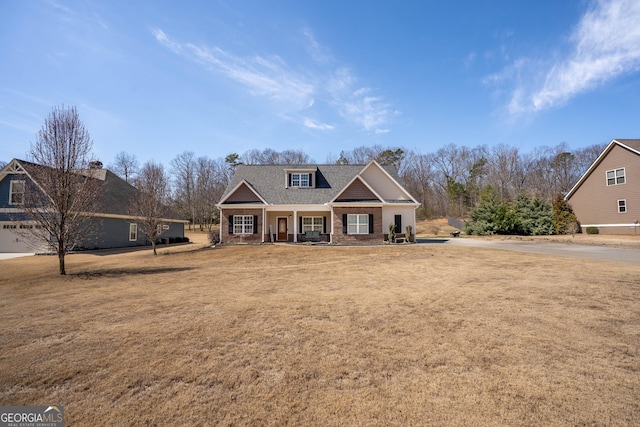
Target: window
<point x="16" y="192"/>
<point x="133" y="232"/>
<point x="312" y="223"/>
<point x="300" y="180"/>
<point x="242" y="224"/>
<point x="358" y="224"/>
<point x="615" y="176"/>
<point x="622" y="206"/>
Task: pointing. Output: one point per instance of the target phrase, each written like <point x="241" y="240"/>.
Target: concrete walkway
<point x="601" y="253"/>
<point x="9" y="255"/>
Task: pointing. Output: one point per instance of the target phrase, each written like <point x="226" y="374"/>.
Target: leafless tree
<point x="184" y="178"/>
<point x="505" y="171"/>
<point x="63" y="191"/>
<point x="150" y="205"/>
<point x="126" y="166"/>
<point x="208" y="191"/>
<point x="269" y="156"/>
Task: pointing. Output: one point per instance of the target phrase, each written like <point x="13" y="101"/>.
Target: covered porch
<point x="295" y="225"/>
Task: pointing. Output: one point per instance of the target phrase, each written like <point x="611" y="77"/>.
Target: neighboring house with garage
<point x="607" y="196"/>
<point x="339" y="204"/>
<point x="112" y="224"/>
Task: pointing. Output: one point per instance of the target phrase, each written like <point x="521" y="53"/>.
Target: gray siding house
<point x="340" y="204"/>
<point x="113" y="224"/>
<point x="607" y="196"/>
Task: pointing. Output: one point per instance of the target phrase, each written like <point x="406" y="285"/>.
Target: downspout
<point x="264" y="223"/>
<point x="295" y="226"/>
<point x="220" y="234"/>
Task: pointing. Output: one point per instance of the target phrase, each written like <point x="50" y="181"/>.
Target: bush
<point x="214" y="237"/>
<point x="564" y="220"/>
<point x="529" y="216"/>
<point x="593" y="230"/>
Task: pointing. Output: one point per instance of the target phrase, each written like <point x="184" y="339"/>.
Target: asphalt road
<point x="601" y="253"/>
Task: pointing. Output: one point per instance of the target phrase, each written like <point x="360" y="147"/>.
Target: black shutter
<point x="344" y="223"/>
<point x="288" y="180"/>
<point x="255" y="224"/>
<point x="324" y="225"/>
<point x="398" y="223"/>
<point x="370" y="223"/>
<point x="230" y="224"/>
<point x="300" y="228"/>
<point x="310" y="180"/>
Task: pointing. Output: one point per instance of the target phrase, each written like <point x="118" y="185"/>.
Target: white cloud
<point x="356" y="104"/>
<point x="297" y="90"/>
<point x="312" y="124"/>
<point x="604" y="45"/>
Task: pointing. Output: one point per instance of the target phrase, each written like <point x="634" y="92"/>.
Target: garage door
<point x="11" y="241"/>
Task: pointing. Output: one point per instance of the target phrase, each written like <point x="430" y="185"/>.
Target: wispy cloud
<point x="604" y="45"/>
<point x="313" y="124"/>
<point x="295" y="89"/>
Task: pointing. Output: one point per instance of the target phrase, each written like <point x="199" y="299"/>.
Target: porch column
<point x="295" y="226"/>
<point x="264" y="223"/>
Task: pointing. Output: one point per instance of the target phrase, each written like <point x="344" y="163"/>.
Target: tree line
<point x="494" y="185"/>
<point x="448" y="181"/>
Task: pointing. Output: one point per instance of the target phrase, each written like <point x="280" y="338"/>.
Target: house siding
<point x="354" y="239"/>
<point x="357" y="191"/>
<point x="227" y="237"/>
<point x="596" y="203"/>
<point x="114" y="233"/>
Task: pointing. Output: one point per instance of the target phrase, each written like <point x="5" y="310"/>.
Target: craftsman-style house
<point x="607" y="196"/>
<point x="112" y="225"/>
<point x="339" y="204"/>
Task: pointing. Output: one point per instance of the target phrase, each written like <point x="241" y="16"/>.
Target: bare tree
<point x="125" y="166"/>
<point x="184" y="178"/>
<point x="63" y="191"/>
<point x="150" y="204"/>
<point x="269" y="156"/>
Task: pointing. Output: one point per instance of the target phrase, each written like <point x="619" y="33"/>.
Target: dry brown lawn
<point x="314" y="335"/>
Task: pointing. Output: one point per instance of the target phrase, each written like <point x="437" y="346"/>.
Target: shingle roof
<point x="632" y="143"/>
<point x="269" y="182"/>
<point x="115" y="193"/>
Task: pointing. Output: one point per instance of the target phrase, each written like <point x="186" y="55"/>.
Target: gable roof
<point x="632" y="145"/>
<point x="115" y="193"/>
<point x="268" y="182"/>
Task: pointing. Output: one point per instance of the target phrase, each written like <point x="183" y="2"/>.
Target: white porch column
<point x="264" y="223"/>
<point x="295" y="226"/>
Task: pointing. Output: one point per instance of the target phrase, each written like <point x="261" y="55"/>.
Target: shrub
<point x="392" y="233"/>
<point x="593" y="230"/>
<point x="214" y="237"/>
<point x="527" y="216"/>
<point x="564" y="220"/>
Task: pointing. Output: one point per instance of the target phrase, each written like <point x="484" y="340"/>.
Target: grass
<point x="306" y="335"/>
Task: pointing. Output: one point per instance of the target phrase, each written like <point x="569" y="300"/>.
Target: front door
<point x="282" y="229"/>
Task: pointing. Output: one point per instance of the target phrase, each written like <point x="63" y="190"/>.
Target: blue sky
<point x="158" y="78"/>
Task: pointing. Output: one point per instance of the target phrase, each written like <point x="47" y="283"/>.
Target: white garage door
<point x="11" y="241"/>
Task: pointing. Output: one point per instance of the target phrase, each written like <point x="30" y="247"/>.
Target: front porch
<point x="298" y="226"/>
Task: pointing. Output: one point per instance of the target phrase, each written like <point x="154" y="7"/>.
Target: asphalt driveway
<point x="601" y="253"/>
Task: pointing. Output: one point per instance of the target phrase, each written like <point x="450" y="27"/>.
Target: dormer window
<point x="300" y="180"/>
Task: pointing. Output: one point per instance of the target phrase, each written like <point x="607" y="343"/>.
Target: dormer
<point x="300" y="177"/>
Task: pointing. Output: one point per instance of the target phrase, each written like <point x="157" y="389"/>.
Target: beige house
<point x="607" y="196"/>
<point x="346" y="204"/>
